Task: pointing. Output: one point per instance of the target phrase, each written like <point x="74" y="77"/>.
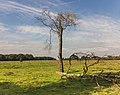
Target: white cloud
<point x="33" y="47"/>
<point x="14" y="6"/>
<point x="105" y="28"/>
<point x="100" y="34"/>
<point x="15" y="42"/>
<point x="57" y="3"/>
<point x="32" y="7"/>
<point x="34" y="29"/>
<point x="67" y="3"/>
<point x="3" y="28"/>
<point x="7" y="6"/>
<point x="3" y="42"/>
<point x="98" y="29"/>
<point x="6" y="34"/>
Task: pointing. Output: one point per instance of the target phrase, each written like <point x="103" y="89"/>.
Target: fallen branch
<point x="111" y="78"/>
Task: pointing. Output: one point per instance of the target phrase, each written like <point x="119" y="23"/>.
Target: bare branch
<point x="52" y="20"/>
<point x="43" y="21"/>
<point x="84" y="56"/>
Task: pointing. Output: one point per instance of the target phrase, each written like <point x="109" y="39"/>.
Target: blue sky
<point x="98" y="29"/>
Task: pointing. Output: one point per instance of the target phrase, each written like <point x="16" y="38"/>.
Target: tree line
<point x="21" y="57"/>
<point x="108" y="57"/>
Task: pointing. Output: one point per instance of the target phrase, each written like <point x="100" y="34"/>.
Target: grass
<point x="40" y="78"/>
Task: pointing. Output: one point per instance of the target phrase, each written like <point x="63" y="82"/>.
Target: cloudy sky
<point x="98" y="30"/>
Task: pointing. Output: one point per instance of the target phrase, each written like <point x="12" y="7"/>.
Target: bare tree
<point x="58" y="23"/>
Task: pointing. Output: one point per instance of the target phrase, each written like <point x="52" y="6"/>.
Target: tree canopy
<point x="21" y="57"/>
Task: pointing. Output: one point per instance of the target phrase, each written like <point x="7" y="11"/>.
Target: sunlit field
<point x="40" y="78"/>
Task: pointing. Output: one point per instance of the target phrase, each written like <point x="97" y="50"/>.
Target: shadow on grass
<point x="9" y="88"/>
<point x="62" y="87"/>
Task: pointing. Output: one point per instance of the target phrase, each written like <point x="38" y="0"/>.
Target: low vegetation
<point x="22" y="57"/>
<point x="40" y="78"/>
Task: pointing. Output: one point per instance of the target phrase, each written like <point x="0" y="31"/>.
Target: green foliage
<point x="44" y="58"/>
<point x="40" y="78"/>
<point x="21" y="57"/>
<point x="2" y="57"/>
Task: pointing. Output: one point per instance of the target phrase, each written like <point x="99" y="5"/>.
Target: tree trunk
<point x="60" y="50"/>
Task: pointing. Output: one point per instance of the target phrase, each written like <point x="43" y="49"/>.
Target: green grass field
<point x="40" y="78"/>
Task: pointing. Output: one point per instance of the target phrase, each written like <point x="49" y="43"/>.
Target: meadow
<point x="40" y="78"/>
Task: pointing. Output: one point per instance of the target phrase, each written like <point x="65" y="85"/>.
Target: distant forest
<point x="108" y="57"/>
<point x="21" y="57"/>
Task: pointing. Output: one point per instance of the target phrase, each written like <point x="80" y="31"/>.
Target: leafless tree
<point x="57" y="24"/>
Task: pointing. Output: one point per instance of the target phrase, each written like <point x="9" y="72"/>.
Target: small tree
<point x="58" y="23"/>
<point x="2" y="57"/>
